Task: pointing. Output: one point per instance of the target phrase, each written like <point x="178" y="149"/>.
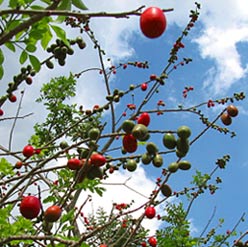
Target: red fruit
<point x="144" y="119"/>
<point x="74" y="164"/>
<point x="28" y="151"/>
<point x="37" y="151"/>
<point x="30" y="207"/>
<point x="103" y="245"/>
<point x="18" y="164"/>
<point x="152" y="241"/>
<point x="143" y="86"/>
<point x="97" y="159"/>
<point x="1" y="112"/>
<point x="153" y="77"/>
<point x="52" y="213"/>
<point x="152" y="22"/>
<point x="143" y="244"/>
<point x="12" y="98"/>
<point x="29" y="80"/>
<point x="129" y="143"/>
<point x="150" y="212"/>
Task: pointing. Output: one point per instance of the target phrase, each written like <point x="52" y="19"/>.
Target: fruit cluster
<point x="226" y="117"/>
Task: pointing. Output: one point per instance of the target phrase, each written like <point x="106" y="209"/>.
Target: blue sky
<point x="218" y="46"/>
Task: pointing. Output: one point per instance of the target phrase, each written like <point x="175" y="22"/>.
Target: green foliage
<point x="6" y="168"/>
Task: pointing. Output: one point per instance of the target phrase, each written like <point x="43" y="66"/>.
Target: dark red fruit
<point x="97" y="159"/>
<point x="226" y="119"/>
<point x="18" y="164"/>
<point x="52" y="213"/>
<point x="150" y="212"/>
<point x="232" y="111"/>
<point x="144" y="119"/>
<point x="12" y="98"/>
<point x="1" y="112"/>
<point x="28" y="151"/>
<point x="30" y="207"/>
<point x="74" y="164"/>
<point x="152" y="22"/>
<point x="129" y="143"/>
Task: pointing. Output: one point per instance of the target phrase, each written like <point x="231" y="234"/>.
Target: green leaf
<point x="46" y="39"/>
<point x="6" y="168"/>
<point x="10" y="46"/>
<point x="23" y="57"/>
<point x="60" y="33"/>
<point x="35" y="62"/>
<point x="79" y="4"/>
<point x="1" y="57"/>
<point x="1" y="1"/>
<point x="65" y="5"/>
<point x="31" y="48"/>
<point x="1" y="72"/>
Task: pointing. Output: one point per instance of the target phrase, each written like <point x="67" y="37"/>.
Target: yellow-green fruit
<point x="151" y="148"/>
<point x="184" y="165"/>
<point x="180" y="154"/>
<point x="140" y="132"/>
<point x="169" y="141"/>
<point x="94" y="133"/>
<point x="183" y="132"/>
<point x="173" y="167"/>
<point x="127" y="126"/>
<point x="146" y="158"/>
<point x="166" y="190"/>
<point x="157" y="160"/>
<point x="131" y="165"/>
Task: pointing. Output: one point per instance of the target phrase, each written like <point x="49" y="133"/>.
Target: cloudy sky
<point x="218" y="45"/>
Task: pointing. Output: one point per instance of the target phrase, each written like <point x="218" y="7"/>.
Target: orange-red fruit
<point x="150" y="212"/>
<point x="52" y="213"/>
<point x="97" y="159"/>
<point x="28" y="151"/>
<point x="232" y="111"/>
<point x="103" y="245"/>
<point x="30" y="207"/>
<point x="144" y="119"/>
<point x="152" y="241"/>
<point x="226" y="119"/>
<point x="74" y="164"/>
<point x="18" y="164"/>
<point x="153" y="22"/>
<point x="129" y="143"/>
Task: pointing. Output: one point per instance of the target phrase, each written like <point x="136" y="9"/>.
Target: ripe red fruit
<point x="18" y="164"/>
<point x="143" y="244"/>
<point x="74" y="164"/>
<point x="152" y="241"/>
<point x="30" y="207"/>
<point x="144" y="119"/>
<point x="28" y="151"/>
<point x="152" y="22"/>
<point x="12" y="98"/>
<point x="103" y="245"/>
<point x="52" y="213"/>
<point x="1" y="112"/>
<point x="143" y="86"/>
<point x="129" y="143"/>
<point x="97" y="159"/>
<point x="232" y="111"/>
<point x="150" y="212"/>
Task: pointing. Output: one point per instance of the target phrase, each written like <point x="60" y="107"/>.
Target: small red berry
<point x="1" y="112"/>
<point x="152" y="241"/>
<point x="28" y="151"/>
<point x="143" y="86"/>
<point x="12" y="98"/>
<point x="150" y="212"/>
<point x="153" y="77"/>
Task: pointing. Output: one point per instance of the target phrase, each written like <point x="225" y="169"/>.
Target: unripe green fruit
<point x="151" y="148"/>
<point x="63" y="145"/>
<point x="184" y="165"/>
<point x="183" y="145"/>
<point x="157" y="160"/>
<point x="180" y="154"/>
<point x="94" y="172"/>
<point x="140" y="131"/>
<point x="49" y="64"/>
<point x="94" y="133"/>
<point x="146" y="158"/>
<point x="184" y="132"/>
<point x="131" y="165"/>
<point x="169" y="141"/>
<point x="173" y="167"/>
<point x="166" y="190"/>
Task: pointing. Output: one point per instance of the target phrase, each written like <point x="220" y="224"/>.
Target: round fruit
<point x="150" y="212"/>
<point x="129" y="143"/>
<point x="28" y="151"/>
<point x="157" y="160"/>
<point x="183" y="145"/>
<point x="12" y="98"/>
<point x="152" y="241"/>
<point x="152" y="22"/>
<point x="74" y="164"/>
<point x="166" y="190"/>
<point x="131" y="165"/>
<point x="30" y="207"/>
<point x="144" y="119"/>
<point x="18" y="164"/>
<point x="184" y="165"/>
<point x="143" y="86"/>
<point x="127" y="126"/>
<point x="184" y="132"/>
<point x="146" y="158"/>
<point x="151" y="148"/>
<point x="169" y="141"/>
<point x="94" y="172"/>
<point x="94" y="133"/>
<point x="103" y="245"/>
<point x="180" y="154"/>
<point x="226" y="119"/>
<point x="232" y="111"/>
<point x="173" y="167"/>
<point x="97" y="159"/>
<point x="63" y="145"/>
<point x="140" y="131"/>
<point x="52" y="213"/>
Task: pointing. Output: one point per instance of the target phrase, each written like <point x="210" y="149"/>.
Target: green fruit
<point x="83" y="153"/>
<point x="180" y="154"/>
<point x="63" y="145"/>
<point x="127" y="126"/>
<point x="139" y="131"/>
<point x="131" y="165"/>
<point x="94" y="133"/>
<point x="157" y="160"/>
<point x="151" y="148"/>
<point x="184" y="132"/>
<point x="173" y="167"/>
<point x="146" y="138"/>
<point x="183" y="145"/>
<point x="166" y="190"/>
<point x="184" y="165"/>
<point x="169" y="141"/>
<point x="146" y="158"/>
<point x="94" y="172"/>
<point x="49" y="64"/>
